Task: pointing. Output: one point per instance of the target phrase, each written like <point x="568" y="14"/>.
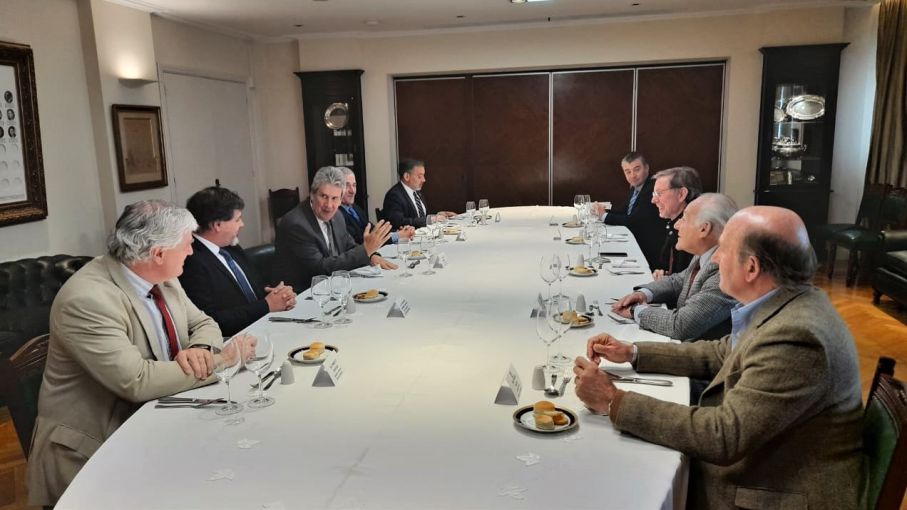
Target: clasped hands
<point x="200" y="362"/>
<point x="280" y="298"/>
<point x="624" y="306"/>
<point x="593" y="386"/>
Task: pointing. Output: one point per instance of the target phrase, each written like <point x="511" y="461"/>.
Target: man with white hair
<point x="697" y="308"/>
<point x="312" y="238"/>
<point x="122" y="332"/>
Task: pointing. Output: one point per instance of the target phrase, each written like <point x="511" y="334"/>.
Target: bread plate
<point x="575" y="240"/>
<point x="359" y="297"/>
<point x="572" y="224"/>
<point x="296" y="355"/>
<point x="585" y="272"/>
<point x="419" y="255"/>
<point x="582" y="321"/>
<point x="452" y="231"/>
<point x="525" y="418"/>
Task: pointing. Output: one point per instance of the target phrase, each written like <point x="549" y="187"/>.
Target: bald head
<point x="777" y="239"/>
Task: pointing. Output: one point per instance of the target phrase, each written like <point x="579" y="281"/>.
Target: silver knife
<point x="639" y="380"/>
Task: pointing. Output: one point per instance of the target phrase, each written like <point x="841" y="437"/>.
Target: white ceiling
<point x="276" y="19"/>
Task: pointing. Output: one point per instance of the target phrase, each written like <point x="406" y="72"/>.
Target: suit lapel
<point x="138" y="307"/>
<point x="309" y="216"/>
<point x="211" y="260"/>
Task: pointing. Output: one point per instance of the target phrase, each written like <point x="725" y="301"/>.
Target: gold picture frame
<point x="23" y="196"/>
<point x="139" y="147"/>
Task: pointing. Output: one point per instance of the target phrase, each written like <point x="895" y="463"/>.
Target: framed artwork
<point x="139" y="147"/>
<point x="22" y="194"/>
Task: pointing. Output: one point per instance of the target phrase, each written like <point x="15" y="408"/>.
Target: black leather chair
<point x="281" y="201"/>
<point x="885" y="440"/>
<point x="262" y="257"/>
<point x="378" y="215"/>
<point x="867" y="217"/>
<point x="20" y="382"/>
<point x="889" y="277"/>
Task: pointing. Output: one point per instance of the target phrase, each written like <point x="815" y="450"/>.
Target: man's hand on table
<point x="624" y="306"/>
<point x="196" y="362"/>
<point x="280" y="298"/>
<point x="593" y="386"/>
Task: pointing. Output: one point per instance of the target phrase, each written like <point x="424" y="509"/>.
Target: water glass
<point x="403" y="247"/>
<point x="321" y="293"/>
<point x="227" y="362"/>
<point x="428" y="248"/>
<point x="341" y="289"/>
<point x="483" y="209"/>
<point x="548" y="270"/>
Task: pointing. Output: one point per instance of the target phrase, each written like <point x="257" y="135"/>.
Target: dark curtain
<point x="888" y="145"/>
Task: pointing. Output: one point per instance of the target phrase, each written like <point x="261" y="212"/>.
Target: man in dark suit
<point x="674" y="189"/>
<point x="218" y="277"/>
<point x="404" y="203"/>
<point x="312" y="238"/>
<point x="780" y="424"/>
<point x="357" y="219"/>
<point x="640" y="215"/>
<point x="697" y="308"/>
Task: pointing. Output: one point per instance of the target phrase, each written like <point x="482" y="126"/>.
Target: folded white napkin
<point x="367" y="272"/>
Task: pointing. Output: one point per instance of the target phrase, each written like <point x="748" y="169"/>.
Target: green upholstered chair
<point x="867" y="217"/>
<point x="884" y="442"/>
<point x="262" y="257"/>
<point x="20" y="382"/>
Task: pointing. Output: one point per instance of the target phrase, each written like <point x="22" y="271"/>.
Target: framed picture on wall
<point x="22" y="194"/>
<point x="139" y="147"/>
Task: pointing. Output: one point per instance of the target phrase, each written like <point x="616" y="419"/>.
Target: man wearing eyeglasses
<point x="640" y="215"/>
<point x="674" y="189"/>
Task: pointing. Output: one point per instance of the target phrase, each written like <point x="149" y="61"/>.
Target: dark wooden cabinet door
<point x="678" y="118"/>
<point x="433" y="125"/>
<point x="510" y="139"/>
<point x="592" y="131"/>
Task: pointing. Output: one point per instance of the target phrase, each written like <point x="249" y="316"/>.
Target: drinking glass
<point x="589" y="236"/>
<point x="228" y="361"/>
<point x="563" y="270"/>
<point x="258" y="361"/>
<point x="483" y="209"/>
<point x="321" y="293"/>
<point x="403" y="247"/>
<point x="470" y="213"/>
<point x="578" y="201"/>
<point x="428" y="247"/>
<point x="341" y="288"/>
<point x="548" y="269"/>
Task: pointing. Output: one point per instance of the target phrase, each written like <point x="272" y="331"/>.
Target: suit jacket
<point x="780" y="425"/>
<point x="697" y="309"/>
<point x="302" y="252"/>
<point x="212" y="288"/>
<point x="399" y="210"/>
<point x="103" y="361"/>
<point x="355" y="226"/>
<point x="670" y="258"/>
<point x="645" y="224"/>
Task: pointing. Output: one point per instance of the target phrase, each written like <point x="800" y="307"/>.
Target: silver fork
<point x="596" y="307"/>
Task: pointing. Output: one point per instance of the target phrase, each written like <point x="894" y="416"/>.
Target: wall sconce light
<point x="136" y="82"/>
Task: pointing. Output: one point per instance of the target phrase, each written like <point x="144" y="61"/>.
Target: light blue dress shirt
<point x="742" y="315"/>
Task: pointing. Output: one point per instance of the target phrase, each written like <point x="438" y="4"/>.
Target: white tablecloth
<point x="412" y="423"/>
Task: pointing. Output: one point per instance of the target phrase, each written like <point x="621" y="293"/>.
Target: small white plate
<point x="525" y="418"/>
<point x="296" y="355"/>
<point x="382" y="295"/>
<point x="592" y="272"/>
<point x="574" y="240"/>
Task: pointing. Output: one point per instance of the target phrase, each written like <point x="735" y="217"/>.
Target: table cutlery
<point x="619" y="319"/>
<point x="334" y="311"/>
<point x="597" y="307"/>
<point x="621" y="273"/>
<point x="293" y="319"/>
<point x="414" y="264"/>
<point x="273" y="380"/>
<point x="187" y="400"/>
<point x="272" y="373"/>
<point x="188" y="405"/>
<point x="564" y="385"/>
<point x="638" y="380"/>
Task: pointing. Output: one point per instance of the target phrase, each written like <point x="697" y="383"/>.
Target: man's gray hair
<point x="715" y="209"/>
<point x="346" y="171"/>
<point x="328" y="175"/>
<point x="145" y="225"/>
<point x="683" y="177"/>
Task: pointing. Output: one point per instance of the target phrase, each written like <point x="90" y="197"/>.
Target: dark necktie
<point x="633" y="198"/>
<point x="420" y="207"/>
<point x="332" y="248"/>
<point x="240" y="277"/>
<point x="693" y="272"/>
<point x="161" y="304"/>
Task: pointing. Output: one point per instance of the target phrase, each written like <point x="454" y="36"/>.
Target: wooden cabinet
<point x="797" y="128"/>
<point x="323" y="93"/>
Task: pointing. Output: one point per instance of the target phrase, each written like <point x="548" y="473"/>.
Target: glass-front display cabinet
<point x="797" y="128"/>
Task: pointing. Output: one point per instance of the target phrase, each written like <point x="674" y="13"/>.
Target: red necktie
<point x="168" y="321"/>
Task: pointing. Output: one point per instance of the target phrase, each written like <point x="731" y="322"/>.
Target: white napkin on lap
<point x="367" y="272"/>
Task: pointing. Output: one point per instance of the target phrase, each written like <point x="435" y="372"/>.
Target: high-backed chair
<point x="867" y="217"/>
<point x="281" y="201"/>
<point x="20" y="383"/>
<point x="885" y="440"/>
<point x="262" y="257"/>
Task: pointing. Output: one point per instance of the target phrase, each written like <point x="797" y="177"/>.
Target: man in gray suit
<point x="697" y="308"/>
<point x="780" y="425"/>
<point x="122" y="332"/>
<point x="312" y="238"/>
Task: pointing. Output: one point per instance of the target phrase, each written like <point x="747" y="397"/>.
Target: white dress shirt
<point x="143" y="291"/>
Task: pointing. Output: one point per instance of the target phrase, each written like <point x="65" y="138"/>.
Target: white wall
<point x="736" y="38"/>
<point x="75" y="221"/>
<point x="853" y="125"/>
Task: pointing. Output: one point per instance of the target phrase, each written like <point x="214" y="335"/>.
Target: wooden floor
<point x="879" y="330"/>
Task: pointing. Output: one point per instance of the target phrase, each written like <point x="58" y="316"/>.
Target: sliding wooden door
<point x="592" y="131"/>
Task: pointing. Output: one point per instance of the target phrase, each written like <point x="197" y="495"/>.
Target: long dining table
<point x="412" y="422"/>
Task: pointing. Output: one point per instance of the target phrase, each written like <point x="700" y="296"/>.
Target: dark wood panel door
<point x="592" y="130"/>
<point x="434" y="125"/>
<point x="678" y="118"/>
<point x="510" y="139"/>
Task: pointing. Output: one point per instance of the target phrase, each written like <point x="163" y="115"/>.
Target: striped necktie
<point x="420" y="207"/>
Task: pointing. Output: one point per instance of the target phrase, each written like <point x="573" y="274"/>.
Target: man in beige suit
<point x="122" y="332"/>
<point x="780" y="424"/>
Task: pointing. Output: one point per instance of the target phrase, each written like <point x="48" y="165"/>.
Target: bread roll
<point x="316" y="346"/>
<point x="544" y="422"/>
<point x="560" y="419"/>
<point x="310" y="354"/>
<point x="369" y="294"/>
<point x="541" y="406"/>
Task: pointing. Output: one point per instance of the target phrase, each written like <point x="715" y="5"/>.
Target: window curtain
<point x="888" y="144"/>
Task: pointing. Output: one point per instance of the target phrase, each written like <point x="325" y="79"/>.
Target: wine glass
<point x="428" y="247"/>
<point x="403" y="247"/>
<point x="548" y="269"/>
<point x="228" y="361"/>
<point x="341" y="288"/>
<point x="483" y="209"/>
<point x="578" y="201"/>
<point x="563" y="270"/>
<point x="258" y="361"/>
<point x="321" y="293"/>
<point x="548" y="326"/>
<point x="589" y="236"/>
<point x="470" y="213"/>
